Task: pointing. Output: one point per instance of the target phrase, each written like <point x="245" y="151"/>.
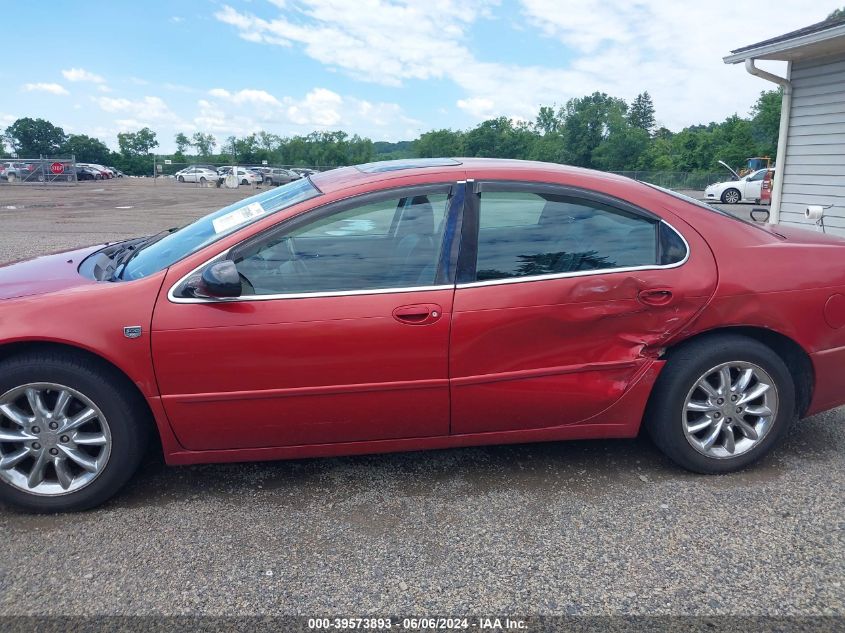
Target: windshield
<point x="179" y="244"/>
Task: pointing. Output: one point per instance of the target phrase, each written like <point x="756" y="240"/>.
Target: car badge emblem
<point x="132" y="331"/>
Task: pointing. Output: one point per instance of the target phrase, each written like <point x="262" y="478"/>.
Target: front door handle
<point x="656" y="296"/>
<point x="418" y="313"/>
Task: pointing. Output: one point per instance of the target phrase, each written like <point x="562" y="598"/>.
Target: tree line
<point x="596" y="131"/>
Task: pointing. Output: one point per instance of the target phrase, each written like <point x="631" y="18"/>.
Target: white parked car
<point x="742" y="189"/>
<point x="196" y="174"/>
<point x="245" y="176"/>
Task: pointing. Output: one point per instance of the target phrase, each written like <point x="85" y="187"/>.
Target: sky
<point x="385" y="69"/>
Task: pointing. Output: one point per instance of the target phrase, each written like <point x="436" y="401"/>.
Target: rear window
<point x="712" y="209"/>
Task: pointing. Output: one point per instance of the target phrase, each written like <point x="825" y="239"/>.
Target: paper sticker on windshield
<point x="237" y="217"/>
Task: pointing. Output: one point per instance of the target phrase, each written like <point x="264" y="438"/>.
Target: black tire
<point x="181" y="179"/>
<point x="732" y="193"/>
<point x="244" y="181"/>
<point x="268" y="182"/>
<point x="685" y="365"/>
<point x="125" y="411"/>
<point x="202" y="180"/>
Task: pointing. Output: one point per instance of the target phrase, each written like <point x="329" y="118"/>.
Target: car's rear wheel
<point x="268" y="182"/>
<point x="71" y="434"/>
<point x="202" y="180"/>
<point x="721" y="403"/>
<point x="244" y="181"/>
<point x="731" y="196"/>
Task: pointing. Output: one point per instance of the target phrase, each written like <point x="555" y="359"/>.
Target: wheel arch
<point x="793" y="355"/>
<point x="18" y="348"/>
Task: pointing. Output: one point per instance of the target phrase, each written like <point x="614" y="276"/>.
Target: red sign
<point x="57" y="168"/>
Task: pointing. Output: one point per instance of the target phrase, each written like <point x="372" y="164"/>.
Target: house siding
<point x="814" y="168"/>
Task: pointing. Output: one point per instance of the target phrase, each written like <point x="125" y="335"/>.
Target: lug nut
<point x="36" y="445"/>
<point x="730" y="420"/>
<point x="733" y="398"/>
<point x="64" y="438"/>
<point x="720" y="401"/>
<point x="36" y="429"/>
<point x="717" y="415"/>
<point x="54" y="425"/>
<point x="739" y="409"/>
<point x="54" y="451"/>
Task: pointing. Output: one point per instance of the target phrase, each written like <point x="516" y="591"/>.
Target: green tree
<point x="182" y="143"/>
<point x="548" y="120"/>
<point x="642" y="111"/>
<point x="30" y="138"/>
<point x="837" y="14"/>
<point x="622" y="147"/>
<point x="439" y="143"/>
<point x="204" y="143"/>
<point x="765" y="121"/>
<point x="586" y="125"/>
<point x="138" y="143"/>
<point x="87" y="149"/>
<point x="499" y="138"/>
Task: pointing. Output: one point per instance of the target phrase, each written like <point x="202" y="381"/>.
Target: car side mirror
<point x="218" y="280"/>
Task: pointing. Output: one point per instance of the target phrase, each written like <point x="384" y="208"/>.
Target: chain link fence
<point x="201" y="173"/>
<point x="676" y="179"/>
<point x="39" y="171"/>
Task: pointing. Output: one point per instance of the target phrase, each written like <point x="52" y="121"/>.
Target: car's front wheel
<point x="71" y="434"/>
<point x="721" y="403"/>
<point x="731" y="196"/>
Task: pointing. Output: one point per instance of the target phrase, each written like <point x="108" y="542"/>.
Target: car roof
<point x="458" y="169"/>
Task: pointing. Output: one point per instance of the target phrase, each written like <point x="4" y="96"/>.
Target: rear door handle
<point x="418" y="313"/>
<point x="656" y="296"/>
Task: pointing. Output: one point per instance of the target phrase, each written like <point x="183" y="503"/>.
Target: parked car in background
<point x="83" y="172"/>
<point x="304" y="171"/>
<point x="197" y="174"/>
<point x="245" y="176"/>
<point x="15" y="171"/>
<point x="104" y="173"/>
<point x="742" y="189"/>
<point x="278" y="176"/>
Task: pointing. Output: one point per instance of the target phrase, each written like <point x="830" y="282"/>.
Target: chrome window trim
<point x="585" y="273"/>
<point x="171" y="294"/>
<point x="173" y="298"/>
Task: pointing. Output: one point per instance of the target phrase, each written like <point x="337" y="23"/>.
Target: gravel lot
<point x="566" y="528"/>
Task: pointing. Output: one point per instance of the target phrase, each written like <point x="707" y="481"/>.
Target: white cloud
<point x="177" y="19"/>
<point x="320" y="107"/>
<point x="376" y="40"/>
<point x="250" y="109"/>
<point x="146" y="111"/>
<point x="80" y="74"/>
<point x="673" y="50"/>
<point x="55" y="89"/>
<point x="248" y="95"/>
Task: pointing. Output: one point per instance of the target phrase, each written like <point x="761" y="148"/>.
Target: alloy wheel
<point x="732" y="196"/>
<point x="730" y="409"/>
<point x="53" y="439"/>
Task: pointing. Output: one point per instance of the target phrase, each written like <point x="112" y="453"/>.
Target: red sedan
<point x="410" y="305"/>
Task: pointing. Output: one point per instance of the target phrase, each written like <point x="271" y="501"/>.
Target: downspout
<point x="785" y="108"/>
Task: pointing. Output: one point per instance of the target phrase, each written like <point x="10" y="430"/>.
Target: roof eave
<point x="771" y="51"/>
